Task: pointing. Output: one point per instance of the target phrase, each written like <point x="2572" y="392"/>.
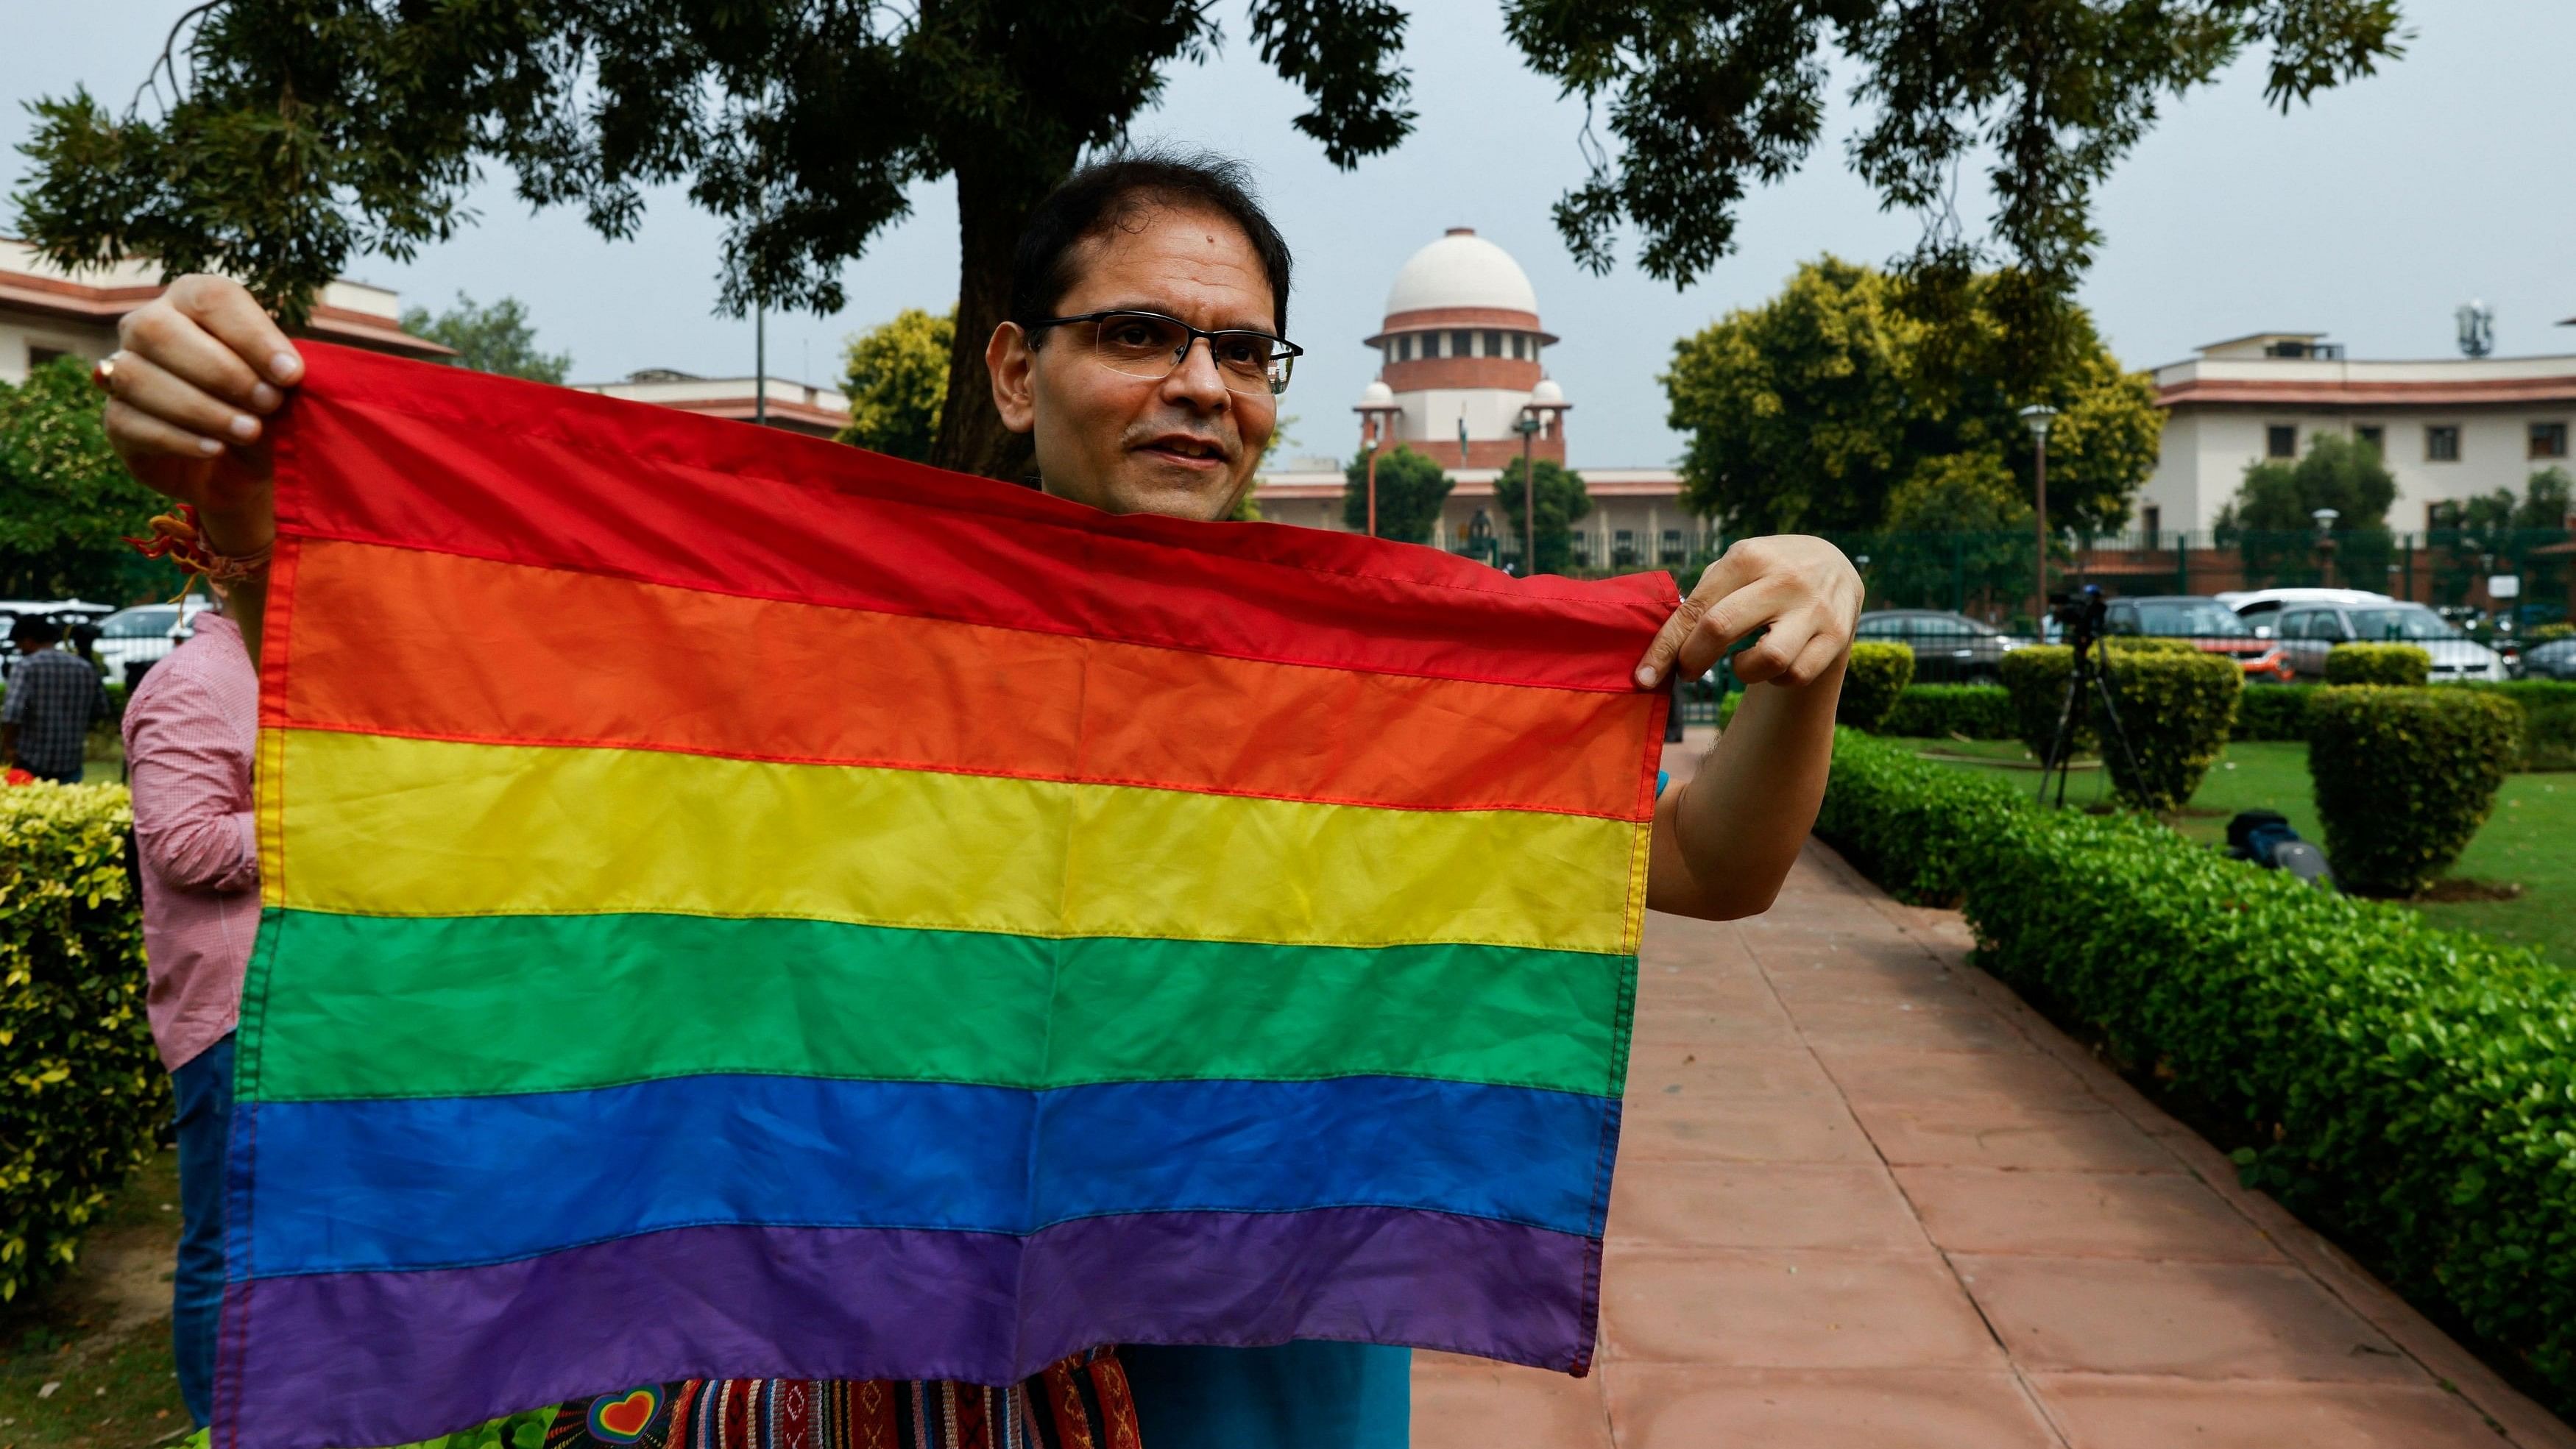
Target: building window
<point x="1493" y="344"/>
<point x="1462" y="344"/>
<point x="2442" y="443"/>
<point x="1582" y="547"/>
<point x="1623" y="547"/>
<point x="2281" y="440"/>
<point x="39" y="356"/>
<point x="2549" y="440"/>
<point x="2152" y="519"/>
<point x="1404" y="348"/>
<point x="2376" y="438"/>
<point x="1520" y="345"/>
<point x="1672" y="553"/>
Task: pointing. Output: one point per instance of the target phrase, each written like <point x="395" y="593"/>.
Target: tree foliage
<point x="497" y="338"/>
<point x="1965" y="533"/>
<point x="285" y="136"/>
<point x="2543" y="504"/>
<point x="1411" y="490"/>
<point x="66" y="503"/>
<point x="2272" y="519"/>
<point x="1809" y="411"/>
<point x="291" y="134"/>
<point x="896" y="376"/>
<point x="1562" y="501"/>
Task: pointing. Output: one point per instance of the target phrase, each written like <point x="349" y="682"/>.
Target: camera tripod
<point x="2087" y="676"/>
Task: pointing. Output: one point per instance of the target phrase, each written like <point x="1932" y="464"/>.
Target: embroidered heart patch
<point x="622" y="1419"/>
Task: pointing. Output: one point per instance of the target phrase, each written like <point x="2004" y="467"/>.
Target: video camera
<point x="2082" y="613"/>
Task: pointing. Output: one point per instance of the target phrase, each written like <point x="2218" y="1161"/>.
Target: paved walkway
<point x="1867" y="1198"/>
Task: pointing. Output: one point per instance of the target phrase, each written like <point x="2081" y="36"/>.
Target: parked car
<point x="144" y="635"/>
<point x="2309" y="633"/>
<point x="2205" y="622"/>
<point x="2261" y="607"/>
<point x="1947" y="647"/>
<point x="2553" y="660"/>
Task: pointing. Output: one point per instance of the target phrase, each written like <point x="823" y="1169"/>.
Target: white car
<point x="2259" y="607"/>
<point x="145" y="635"/>
<point x="2309" y="633"/>
<point x="65" y="612"/>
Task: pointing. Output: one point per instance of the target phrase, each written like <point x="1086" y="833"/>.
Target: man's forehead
<point x="1192" y="264"/>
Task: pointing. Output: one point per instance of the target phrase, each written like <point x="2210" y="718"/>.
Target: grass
<point x="102" y="1336"/>
<point x="2530" y="840"/>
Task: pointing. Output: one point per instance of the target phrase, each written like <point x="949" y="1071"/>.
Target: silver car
<point x="2308" y="634"/>
<point x="1947" y="647"/>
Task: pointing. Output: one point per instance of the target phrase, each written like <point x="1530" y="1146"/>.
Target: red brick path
<point x="1867" y="1198"/>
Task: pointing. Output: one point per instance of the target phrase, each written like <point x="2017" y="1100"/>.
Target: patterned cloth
<point x="189" y="734"/>
<point x="1080" y="1402"/>
<point x="53" y="700"/>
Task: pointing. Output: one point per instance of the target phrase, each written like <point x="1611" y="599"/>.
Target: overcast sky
<point x="2368" y="216"/>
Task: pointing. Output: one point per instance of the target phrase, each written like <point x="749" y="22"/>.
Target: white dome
<point x="1461" y="269"/>
<point x="1547" y="392"/>
<point x="1377" y="395"/>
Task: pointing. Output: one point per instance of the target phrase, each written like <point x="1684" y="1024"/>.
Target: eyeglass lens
<point x="1139" y="344"/>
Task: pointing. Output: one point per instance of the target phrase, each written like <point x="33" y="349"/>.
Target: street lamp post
<point x="2325" y="518"/>
<point x="1378" y="411"/>
<point x="1546" y="398"/>
<point x="2036" y="417"/>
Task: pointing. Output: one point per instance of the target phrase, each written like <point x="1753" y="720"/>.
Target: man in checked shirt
<point x="189" y="734"/>
<point x="53" y="700"/>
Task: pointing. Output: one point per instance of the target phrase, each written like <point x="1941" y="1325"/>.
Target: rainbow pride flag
<point x="741" y="906"/>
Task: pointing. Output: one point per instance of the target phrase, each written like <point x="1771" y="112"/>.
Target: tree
<point x="2545" y="500"/>
<point x="2048" y="95"/>
<point x="1958" y="529"/>
<point x="306" y="130"/>
<point x="66" y="503"/>
<point x="1562" y="499"/>
<point x="490" y="339"/>
<point x="1410" y="492"/>
<point x="897" y="381"/>
<point x="1808" y="411"/>
<point x="2272" y="519"/>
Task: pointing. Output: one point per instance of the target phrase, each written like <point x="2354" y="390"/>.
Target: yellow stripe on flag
<point x="382" y="825"/>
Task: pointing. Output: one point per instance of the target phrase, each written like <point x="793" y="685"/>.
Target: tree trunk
<point x="992" y="205"/>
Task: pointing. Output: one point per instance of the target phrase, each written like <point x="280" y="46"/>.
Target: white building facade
<point x="2448" y="428"/>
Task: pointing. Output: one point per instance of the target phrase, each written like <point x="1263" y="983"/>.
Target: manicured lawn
<point x="2530" y="840"/>
<point x="101" y="1337"/>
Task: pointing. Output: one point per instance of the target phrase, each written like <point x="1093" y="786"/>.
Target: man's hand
<point x="1802" y="587"/>
<point x="196" y="372"/>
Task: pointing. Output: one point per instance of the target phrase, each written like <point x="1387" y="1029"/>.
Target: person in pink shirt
<point x="190" y="731"/>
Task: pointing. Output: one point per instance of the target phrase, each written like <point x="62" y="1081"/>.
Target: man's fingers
<point x="144" y="386"/>
<point x="172" y="341"/>
<point x="1812" y="662"/>
<point x="1669" y="640"/>
<point x="139" y="435"/>
<point x="225" y="309"/>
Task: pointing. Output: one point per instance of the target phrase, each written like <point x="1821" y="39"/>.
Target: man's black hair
<point x="1123" y="191"/>
<point x="34" y="629"/>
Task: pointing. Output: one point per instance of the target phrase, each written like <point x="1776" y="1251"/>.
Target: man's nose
<point x="1196" y="379"/>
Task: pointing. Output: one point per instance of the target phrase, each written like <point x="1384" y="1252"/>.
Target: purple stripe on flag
<point x="353" y="1359"/>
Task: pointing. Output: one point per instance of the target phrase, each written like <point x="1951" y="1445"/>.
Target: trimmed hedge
<point x="1876" y="675"/>
<point x="2410" y="1090"/>
<point x="1938" y="711"/>
<point x="2548" y="719"/>
<point x="1909" y="823"/>
<point x="2408" y="666"/>
<point x="85" y="1092"/>
<point x="2176" y="707"/>
<point x="2404" y="778"/>
<point x="2272" y="712"/>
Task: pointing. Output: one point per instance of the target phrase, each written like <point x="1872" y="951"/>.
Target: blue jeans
<point x="1303" y="1395"/>
<point x="204" y="1087"/>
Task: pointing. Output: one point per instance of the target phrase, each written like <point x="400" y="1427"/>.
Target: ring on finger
<point x="102" y="374"/>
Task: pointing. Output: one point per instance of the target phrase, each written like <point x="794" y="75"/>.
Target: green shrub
<point x="2272" y="712"/>
<point x="2548" y="719"/>
<point x="2151" y="644"/>
<point x="2411" y="1091"/>
<point x="85" y="1093"/>
<point x="1877" y="674"/>
<point x="2408" y="666"/>
<point x="2177" y="705"/>
<point x="2544" y="633"/>
<point x="1939" y="711"/>
<point x="2404" y="778"/>
<point x="1907" y="822"/>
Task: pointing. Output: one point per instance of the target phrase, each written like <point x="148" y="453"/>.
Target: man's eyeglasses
<point x="1150" y="345"/>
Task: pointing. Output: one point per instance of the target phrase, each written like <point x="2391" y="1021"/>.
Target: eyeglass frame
<point x="1193" y="334"/>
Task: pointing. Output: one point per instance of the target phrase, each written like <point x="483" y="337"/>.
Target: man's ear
<point x="1010" y="361"/>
